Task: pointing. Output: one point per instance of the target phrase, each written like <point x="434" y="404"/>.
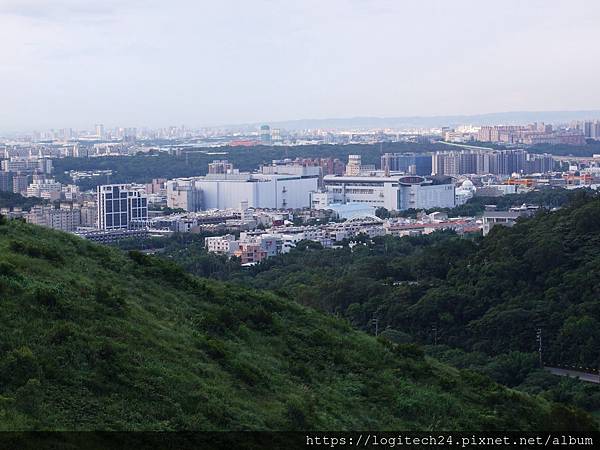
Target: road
<point x="583" y="376"/>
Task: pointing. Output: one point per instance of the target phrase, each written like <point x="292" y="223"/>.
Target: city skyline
<point x="342" y="124"/>
<point x="148" y="63"/>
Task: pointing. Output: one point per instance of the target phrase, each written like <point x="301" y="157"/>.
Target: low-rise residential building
<point x="225" y="245"/>
<point x="505" y="218"/>
<point x="250" y="253"/>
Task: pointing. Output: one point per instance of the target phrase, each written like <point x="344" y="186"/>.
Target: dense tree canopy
<point x="11" y="200"/>
<point x="95" y="339"/>
<point x="485" y="295"/>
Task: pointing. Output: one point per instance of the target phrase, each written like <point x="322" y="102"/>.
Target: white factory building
<point x="396" y="192"/>
<point x="260" y="190"/>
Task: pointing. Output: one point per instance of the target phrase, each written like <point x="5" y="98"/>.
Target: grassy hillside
<point x="487" y="294"/>
<point x="96" y="339"/>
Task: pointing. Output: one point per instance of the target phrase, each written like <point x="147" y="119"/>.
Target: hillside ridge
<point x="95" y="339"/>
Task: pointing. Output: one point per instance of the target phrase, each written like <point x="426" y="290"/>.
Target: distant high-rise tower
<point x="596" y="130"/>
<point x="100" y="131"/>
<point x="587" y="128"/>
<point x="265" y="135"/>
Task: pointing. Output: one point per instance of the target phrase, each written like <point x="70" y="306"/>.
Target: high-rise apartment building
<point x="586" y="128"/>
<point x="119" y="204"/>
<point x="6" y="181"/>
<point x="497" y="162"/>
<point x="408" y="163"/>
<point x="354" y="165"/>
<point x="89" y="214"/>
<point x="65" y="218"/>
<point x="99" y="131"/>
<point x="539" y="163"/>
<point x="596" y="130"/>
<point x="265" y="135"/>
<point x="537" y="133"/>
<point x="29" y="165"/>
<point x="20" y="182"/>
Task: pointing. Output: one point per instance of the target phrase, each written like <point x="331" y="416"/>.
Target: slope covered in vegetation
<point x="96" y="339"/>
<point x="482" y="299"/>
<point x="487" y="294"/>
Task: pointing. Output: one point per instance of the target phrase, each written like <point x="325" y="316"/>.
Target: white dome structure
<point x="467" y="185"/>
<point x="463" y="193"/>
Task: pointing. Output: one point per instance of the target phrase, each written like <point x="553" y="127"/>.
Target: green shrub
<point x="17" y="367"/>
<point x="28" y="397"/>
<point x="7" y="269"/>
<point x="48" y="296"/>
<point x="139" y="258"/>
<point x="214" y="348"/>
<point x="61" y="333"/>
<point x="109" y="297"/>
<point x="409" y="351"/>
<point x="245" y="371"/>
<point x="36" y="250"/>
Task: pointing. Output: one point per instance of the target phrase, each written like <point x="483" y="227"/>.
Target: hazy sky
<point x="73" y="63"/>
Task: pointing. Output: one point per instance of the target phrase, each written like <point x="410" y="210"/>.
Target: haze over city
<point x="70" y="63"/>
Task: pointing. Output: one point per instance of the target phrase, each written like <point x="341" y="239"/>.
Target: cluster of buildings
<point x="254" y="246"/>
<point x="574" y="133"/>
<point x="226" y="196"/>
<point x="211" y="137"/>
<point x="17" y="173"/>
<point x="102" y="140"/>
<point x="67" y="217"/>
<point x="31" y="177"/>
<point x="229" y="200"/>
<point x="589" y="128"/>
<point x="495" y="162"/>
<point x="534" y="134"/>
<point x="293" y="185"/>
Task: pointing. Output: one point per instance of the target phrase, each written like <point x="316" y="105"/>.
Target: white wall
<point x="266" y="193"/>
<point x="435" y="196"/>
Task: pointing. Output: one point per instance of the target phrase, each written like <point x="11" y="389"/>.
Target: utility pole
<point x="376" y="322"/>
<point x="434" y="329"/>
<point x="539" y="341"/>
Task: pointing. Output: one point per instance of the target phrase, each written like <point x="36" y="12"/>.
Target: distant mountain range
<point x="501" y="118"/>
